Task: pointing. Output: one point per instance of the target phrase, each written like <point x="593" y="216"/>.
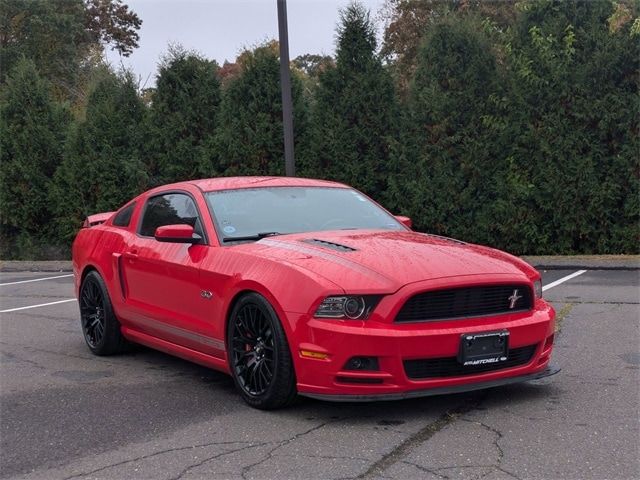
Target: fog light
<point x="362" y="363"/>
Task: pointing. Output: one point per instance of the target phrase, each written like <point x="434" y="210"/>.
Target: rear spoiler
<point x="96" y="219"/>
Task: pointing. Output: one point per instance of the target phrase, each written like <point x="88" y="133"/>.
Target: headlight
<point x="354" y="307"/>
<point x="537" y="288"/>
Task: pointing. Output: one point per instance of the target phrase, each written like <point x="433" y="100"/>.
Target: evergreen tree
<point x="354" y="114"/>
<point x="32" y="132"/>
<point x="182" y="118"/>
<point x="444" y="171"/>
<point x="250" y="136"/>
<point x="102" y="165"/>
<point x="572" y="184"/>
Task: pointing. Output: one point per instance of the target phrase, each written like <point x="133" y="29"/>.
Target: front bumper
<point x="393" y="344"/>
<point x="469" y="387"/>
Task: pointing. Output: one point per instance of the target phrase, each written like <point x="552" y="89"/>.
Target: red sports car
<point x="297" y="286"/>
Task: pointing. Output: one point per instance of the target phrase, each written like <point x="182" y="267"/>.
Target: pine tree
<point x="32" y="133"/>
<point x="102" y="165"/>
<point x="250" y="137"/>
<point x="182" y="119"/>
<point x="354" y="115"/>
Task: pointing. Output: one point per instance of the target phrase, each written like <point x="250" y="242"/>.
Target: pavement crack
<point x="149" y="455"/>
<point x="496" y="444"/>
<point x="216" y="456"/>
<point x="428" y="470"/>
<point x="332" y="457"/>
<point x="495" y="431"/>
<point x="491" y="468"/>
<point x="424" y="434"/>
<point x="270" y="453"/>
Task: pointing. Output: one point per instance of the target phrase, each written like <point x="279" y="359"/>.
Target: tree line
<point x="514" y="124"/>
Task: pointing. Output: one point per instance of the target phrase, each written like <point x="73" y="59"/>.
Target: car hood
<point x="383" y="261"/>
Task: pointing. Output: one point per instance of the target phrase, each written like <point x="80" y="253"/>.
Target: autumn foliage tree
<point x="62" y="38"/>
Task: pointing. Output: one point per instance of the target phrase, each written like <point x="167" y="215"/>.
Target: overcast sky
<point x="220" y="29"/>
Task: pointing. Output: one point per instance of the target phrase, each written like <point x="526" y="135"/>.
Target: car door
<point x="164" y="297"/>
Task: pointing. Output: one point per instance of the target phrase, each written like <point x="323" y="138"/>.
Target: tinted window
<point x="123" y="217"/>
<point x="170" y="209"/>
<point x="251" y="211"/>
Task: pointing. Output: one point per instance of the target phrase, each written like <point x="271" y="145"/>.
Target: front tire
<point x="100" y="327"/>
<point x="259" y="356"/>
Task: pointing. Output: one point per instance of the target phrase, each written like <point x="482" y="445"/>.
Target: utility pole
<point x="285" y="83"/>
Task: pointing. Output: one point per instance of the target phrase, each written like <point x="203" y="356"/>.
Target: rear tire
<point x="100" y="327"/>
<point x="259" y="356"/>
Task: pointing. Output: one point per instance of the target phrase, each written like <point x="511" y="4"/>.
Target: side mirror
<point x="406" y="221"/>
<point x="180" y="233"/>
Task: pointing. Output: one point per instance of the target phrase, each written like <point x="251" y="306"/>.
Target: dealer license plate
<point x="483" y="348"/>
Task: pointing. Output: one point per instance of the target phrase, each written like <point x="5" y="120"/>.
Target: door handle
<point x="131" y="255"/>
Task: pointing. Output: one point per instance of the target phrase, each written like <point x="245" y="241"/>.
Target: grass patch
<point x="562" y="314"/>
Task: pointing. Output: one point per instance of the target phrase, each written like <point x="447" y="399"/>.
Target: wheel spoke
<point x="242" y="358"/>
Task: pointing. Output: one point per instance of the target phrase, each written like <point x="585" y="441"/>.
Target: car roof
<point x="229" y="183"/>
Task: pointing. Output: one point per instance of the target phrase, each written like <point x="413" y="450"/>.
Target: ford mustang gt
<point x="307" y="287"/>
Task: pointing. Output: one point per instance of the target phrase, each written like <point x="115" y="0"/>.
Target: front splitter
<point x="469" y="387"/>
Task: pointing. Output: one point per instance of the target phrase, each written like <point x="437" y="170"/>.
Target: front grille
<point x="465" y="302"/>
<point x="450" y="367"/>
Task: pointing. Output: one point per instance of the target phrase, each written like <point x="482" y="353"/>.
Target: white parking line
<point x="36" y="280"/>
<point x="563" y="279"/>
<point x="36" y="306"/>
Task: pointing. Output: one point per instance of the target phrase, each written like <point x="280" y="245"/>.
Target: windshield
<point x="260" y="212"/>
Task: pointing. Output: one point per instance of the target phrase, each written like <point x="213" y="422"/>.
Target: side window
<point x="169" y="209"/>
<point x="123" y="217"/>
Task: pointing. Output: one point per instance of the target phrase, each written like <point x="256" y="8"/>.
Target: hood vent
<point x="449" y="239"/>
<point x="330" y="245"/>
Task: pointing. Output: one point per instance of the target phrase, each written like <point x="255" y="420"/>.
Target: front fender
<point x="288" y="287"/>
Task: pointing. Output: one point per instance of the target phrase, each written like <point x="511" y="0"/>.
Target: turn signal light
<point x="312" y="354"/>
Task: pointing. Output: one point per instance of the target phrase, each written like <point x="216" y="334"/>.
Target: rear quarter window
<point x="123" y="217"/>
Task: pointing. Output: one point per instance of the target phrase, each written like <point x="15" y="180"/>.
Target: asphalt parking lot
<point x="67" y="414"/>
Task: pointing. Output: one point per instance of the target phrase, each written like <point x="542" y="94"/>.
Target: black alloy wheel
<point x="253" y="349"/>
<point x="259" y="355"/>
<point x="100" y="326"/>
<point x="92" y="313"/>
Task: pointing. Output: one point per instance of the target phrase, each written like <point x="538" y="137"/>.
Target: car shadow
<point x="386" y="412"/>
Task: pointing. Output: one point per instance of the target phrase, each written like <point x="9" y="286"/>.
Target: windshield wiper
<point x="257" y="236"/>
